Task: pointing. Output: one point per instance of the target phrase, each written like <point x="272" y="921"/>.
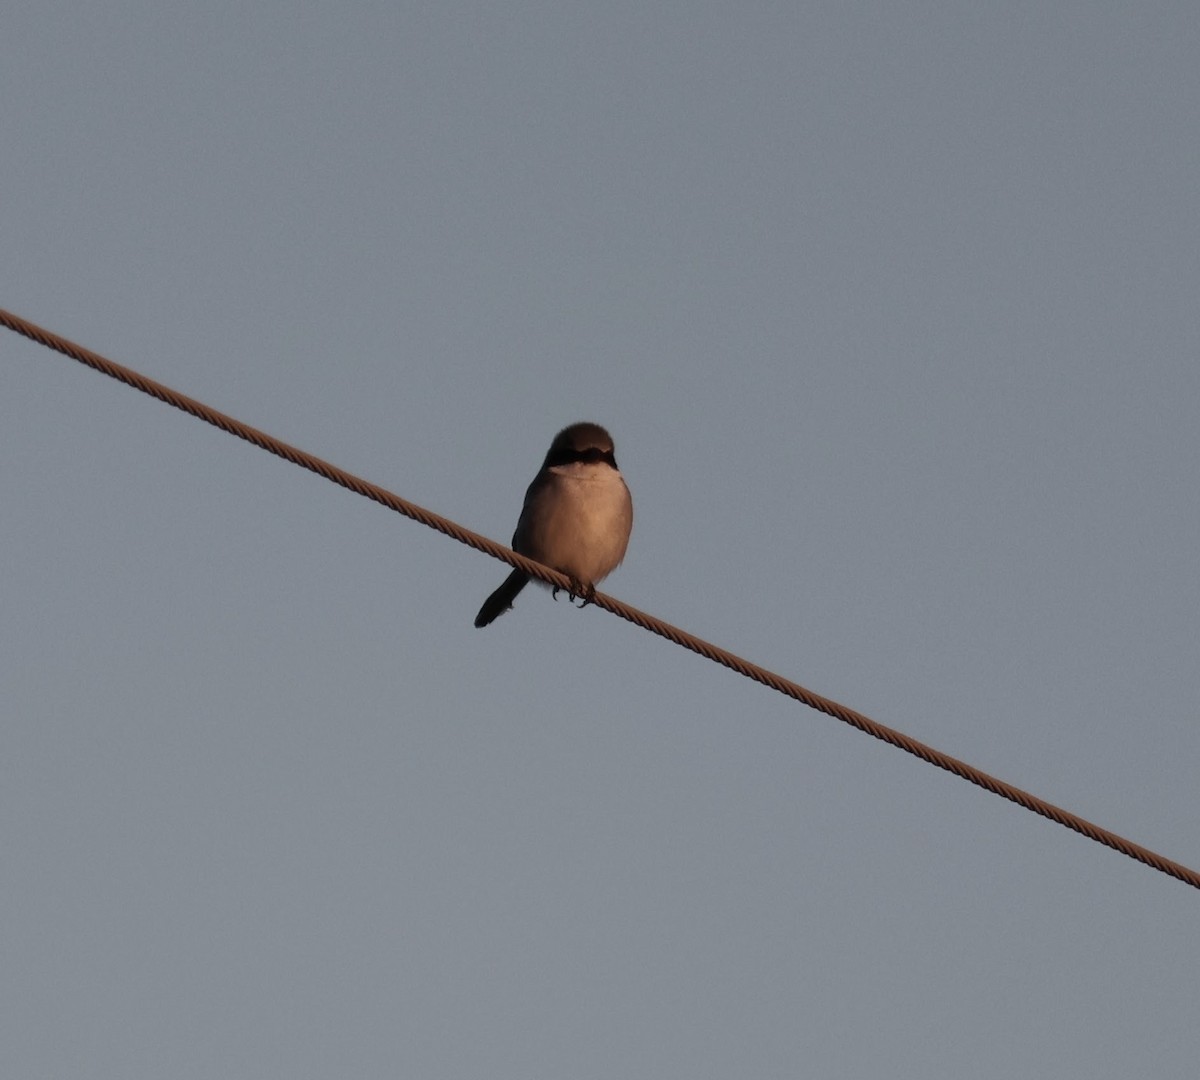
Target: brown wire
<point x="616" y="607"/>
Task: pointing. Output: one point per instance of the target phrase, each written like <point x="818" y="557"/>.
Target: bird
<point x="577" y="517"/>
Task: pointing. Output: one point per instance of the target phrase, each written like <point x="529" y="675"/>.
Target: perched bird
<point x="577" y="517"/>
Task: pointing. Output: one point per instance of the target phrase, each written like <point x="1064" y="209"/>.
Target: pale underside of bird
<point x="577" y="517"/>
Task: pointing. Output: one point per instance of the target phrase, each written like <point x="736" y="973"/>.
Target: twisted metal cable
<point x="616" y="607"/>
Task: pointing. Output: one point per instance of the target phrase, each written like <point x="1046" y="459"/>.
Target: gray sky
<point x="892" y="311"/>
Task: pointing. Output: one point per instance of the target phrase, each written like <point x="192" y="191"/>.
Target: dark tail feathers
<point x="501" y="600"/>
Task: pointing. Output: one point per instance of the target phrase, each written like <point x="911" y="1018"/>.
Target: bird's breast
<point x="578" y="520"/>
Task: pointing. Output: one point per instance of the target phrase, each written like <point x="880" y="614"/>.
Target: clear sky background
<point x="892" y="310"/>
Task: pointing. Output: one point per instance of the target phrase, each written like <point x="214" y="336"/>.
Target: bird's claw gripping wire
<point x="577" y="590"/>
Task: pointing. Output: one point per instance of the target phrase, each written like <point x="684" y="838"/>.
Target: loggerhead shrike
<point x="577" y="517"/>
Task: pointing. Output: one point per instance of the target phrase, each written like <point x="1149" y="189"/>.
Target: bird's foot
<point x="576" y="590"/>
<point x="584" y="593"/>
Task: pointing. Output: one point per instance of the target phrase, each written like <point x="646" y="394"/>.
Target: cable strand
<point x="616" y="607"/>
